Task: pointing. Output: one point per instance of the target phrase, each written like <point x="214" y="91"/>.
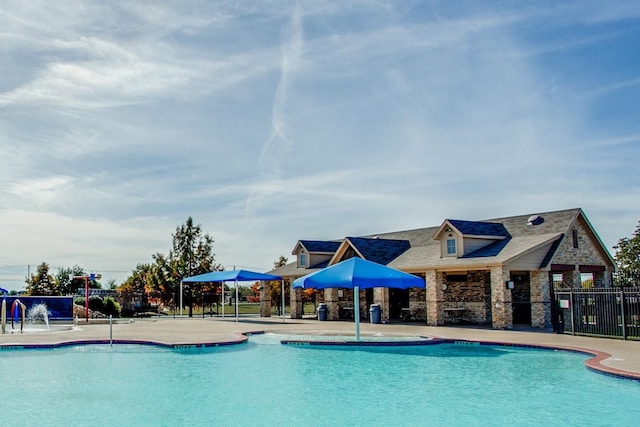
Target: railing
<point x="602" y="312"/>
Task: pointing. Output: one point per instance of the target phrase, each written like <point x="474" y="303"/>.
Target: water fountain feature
<point x="35" y="314"/>
<point x="38" y="312"/>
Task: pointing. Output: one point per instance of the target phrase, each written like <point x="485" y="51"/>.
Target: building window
<point x="574" y="234"/>
<point x="558" y="281"/>
<point x="451" y="246"/>
<point x="586" y="280"/>
<point x="303" y="260"/>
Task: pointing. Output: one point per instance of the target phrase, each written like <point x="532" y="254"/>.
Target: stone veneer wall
<point x="587" y="253"/>
<point x="501" y="308"/>
<point x="265" y="301"/>
<point x="296" y="301"/>
<point x="540" y="299"/>
<point x="435" y="298"/>
<point x="474" y="295"/>
<point x="418" y="303"/>
<point x="333" y="308"/>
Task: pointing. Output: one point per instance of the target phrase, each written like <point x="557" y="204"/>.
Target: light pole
<point x="86" y="291"/>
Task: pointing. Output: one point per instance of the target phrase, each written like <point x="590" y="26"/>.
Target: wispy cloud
<point x="278" y="142"/>
<point x="118" y="120"/>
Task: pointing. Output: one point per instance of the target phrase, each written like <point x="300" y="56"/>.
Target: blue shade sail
<point x="230" y="276"/>
<point x="361" y="273"/>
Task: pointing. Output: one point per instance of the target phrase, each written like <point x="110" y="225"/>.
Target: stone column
<point x="331" y="298"/>
<point x="435" y="298"/>
<point x="501" y="308"/>
<point x="295" y="301"/>
<point x="575" y="277"/>
<point x="381" y="297"/>
<point x="265" y="300"/>
<point x="608" y="279"/>
<point x="540" y="299"/>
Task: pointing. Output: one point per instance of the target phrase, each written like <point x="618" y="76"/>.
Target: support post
<point x="181" y="299"/>
<point x="236" y="301"/>
<point x="622" y="316"/>
<point x="356" y="310"/>
<point x="282" y="282"/>
<point x="86" y="298"/>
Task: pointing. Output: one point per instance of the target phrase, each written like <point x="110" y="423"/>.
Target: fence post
<point x="624" y="322"/>
<point x="573" y="322"/>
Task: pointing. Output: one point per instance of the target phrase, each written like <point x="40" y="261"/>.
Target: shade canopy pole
<point x="181" y="299"/>
<point x="356" y="310"/>
<point x="282" y="281"/>
<point x="222" y="293"/>
<point x="236" y="301"/>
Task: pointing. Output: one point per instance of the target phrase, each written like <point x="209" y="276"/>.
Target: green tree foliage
<point x="65" y="284"/>
<point x="41" y="283"/>
<point x="191" y="254"/>
<point x="111" y="307"/>
<point x="137" y="285"/>
<point x="628" y="260"/>
<point x="276" y="287"/>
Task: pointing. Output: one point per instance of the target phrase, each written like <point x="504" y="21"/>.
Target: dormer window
<point x="451" y="246"/>
<point x="303" y="260"/>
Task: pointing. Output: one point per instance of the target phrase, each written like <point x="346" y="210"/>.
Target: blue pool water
<point x="264" y="383"/>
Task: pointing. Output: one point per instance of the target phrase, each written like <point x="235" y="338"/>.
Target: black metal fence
<point x="602" y="312"/>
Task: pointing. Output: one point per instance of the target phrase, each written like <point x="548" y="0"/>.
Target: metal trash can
<point x="322" y="311"/>
<point x="375" y="314"/>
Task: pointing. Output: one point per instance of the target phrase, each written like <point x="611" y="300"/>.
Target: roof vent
<point x="535" y="220"/>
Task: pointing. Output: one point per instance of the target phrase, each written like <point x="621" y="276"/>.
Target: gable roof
<point x="381" y="251"/>
<point x="519" y="237"/>
<point x="479" y="228"/>
<point x="318" y="246"/>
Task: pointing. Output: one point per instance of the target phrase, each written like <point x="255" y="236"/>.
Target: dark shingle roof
<point x="479" y="228"/>
<point x="424" y="252"/>
<point x="492" y="249"/>
<point x="320" y="245"/>
<point x="382" y="251"/>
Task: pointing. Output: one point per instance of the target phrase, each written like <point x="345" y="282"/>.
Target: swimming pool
<point x="264" y="383"/>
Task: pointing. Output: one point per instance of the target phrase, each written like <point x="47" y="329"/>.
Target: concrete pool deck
<point x="612" y="356"/>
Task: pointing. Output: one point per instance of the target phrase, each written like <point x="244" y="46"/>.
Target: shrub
<point x="96" y="304"/>
<point x="111" y="307"/>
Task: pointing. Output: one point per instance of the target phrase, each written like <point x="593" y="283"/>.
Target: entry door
<point x="398" y="299"/>
<point x="521" y="299"/>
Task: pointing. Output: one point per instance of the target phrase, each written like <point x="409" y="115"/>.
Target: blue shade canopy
<point x="361" y="273"/>
<point x="230" y="276"/>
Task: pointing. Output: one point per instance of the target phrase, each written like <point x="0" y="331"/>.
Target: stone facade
<point x="586" y="253"/>
<point x="501" y="308"/>
<point x="297" y="305"/>
<point x="265" y="301"/>
<point x="435" y="298"/>
<point x="540" y="299"/>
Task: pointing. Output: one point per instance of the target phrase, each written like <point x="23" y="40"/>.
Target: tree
<point x="276" y="286"/>
<point x="65" y="284"/>
<point x="628" y="260"/>
<point x="192" y="254"/>
<point x="137" y="285"/>
<point x="41" y="283"/>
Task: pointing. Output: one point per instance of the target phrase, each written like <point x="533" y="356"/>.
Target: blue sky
<point x="274" y="121"/>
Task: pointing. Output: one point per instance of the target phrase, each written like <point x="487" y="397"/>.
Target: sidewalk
<point x="616" y="357"/>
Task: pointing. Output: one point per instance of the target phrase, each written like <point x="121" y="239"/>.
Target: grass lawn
<point x="243" y="309"/>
